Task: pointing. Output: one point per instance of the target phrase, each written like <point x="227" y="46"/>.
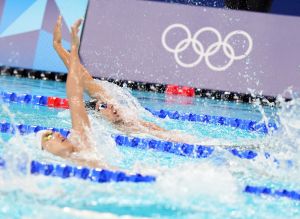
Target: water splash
<point x="195" y="181"/>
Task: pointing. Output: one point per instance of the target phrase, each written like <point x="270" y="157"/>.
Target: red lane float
<point x="57" y="102"/>
<point x="177" y="90"/>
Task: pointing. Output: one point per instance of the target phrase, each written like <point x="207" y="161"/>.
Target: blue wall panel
<point x="36" y="18"/>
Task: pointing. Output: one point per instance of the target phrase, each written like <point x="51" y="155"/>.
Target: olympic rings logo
<point x="211" y="49"/>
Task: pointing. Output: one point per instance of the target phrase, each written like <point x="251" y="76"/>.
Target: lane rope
<point x="244" y="124"/>
<point x="56" y="102"/>
<point x="106" y="176"/>
<point x="261" y="190"/>
<point x="182" y="149"/>
<point x="83" y="173"/>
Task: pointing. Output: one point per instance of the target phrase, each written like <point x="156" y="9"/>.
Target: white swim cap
<point x="39" y="135"/>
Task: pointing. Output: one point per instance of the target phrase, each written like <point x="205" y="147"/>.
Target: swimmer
<point x="79" y="148"/>
<point x="105" y="104"/>
<point x="79" y="141"/>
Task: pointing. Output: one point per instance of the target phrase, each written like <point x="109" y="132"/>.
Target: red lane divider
<point x="57" y="102"/>
<point x="177" y="90"/>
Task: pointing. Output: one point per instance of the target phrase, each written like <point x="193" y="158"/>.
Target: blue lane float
<point x="84" y="173"/>
<point x="245" y="154"/>
<point x="182" y="149"/>
<point x="8" y="128"/>
<point x="243" y="124"/>
<point x="256" y="190"/>
<point x="188" y="150"/>
<point x="24" y="98"/>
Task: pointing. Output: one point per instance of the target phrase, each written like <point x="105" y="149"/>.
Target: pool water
<point x="185" y="188"/>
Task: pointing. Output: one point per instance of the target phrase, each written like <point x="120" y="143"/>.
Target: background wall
<point x="26" y="31"/>
<point x="122" y="42"/>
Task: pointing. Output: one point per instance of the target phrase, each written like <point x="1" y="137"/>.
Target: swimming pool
<point x="185" y="187"/>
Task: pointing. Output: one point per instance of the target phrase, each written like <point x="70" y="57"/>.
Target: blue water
<point x="185" y="187"/>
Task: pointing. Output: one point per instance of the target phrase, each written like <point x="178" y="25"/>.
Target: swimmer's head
<point x="94" y="104"/>
<point x="55" y="143"/>
<point x="91" y="104"/>
<point x="108" y="111"/>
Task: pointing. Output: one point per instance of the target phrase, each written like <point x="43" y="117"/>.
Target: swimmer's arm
<point x="63" y="54"/>
<point x="174" y="136"/>
<point x="74" y="87"/>
<point x="151" y="126"/>
<point x="158" y="131"/>
<point x="94" y="89"/>
<point x="168" y="135"/>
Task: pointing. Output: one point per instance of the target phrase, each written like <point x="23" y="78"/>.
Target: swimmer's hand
<point x="74" y="34"/>
<point x="57" y="32"/>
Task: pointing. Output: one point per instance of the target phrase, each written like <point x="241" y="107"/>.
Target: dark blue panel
<point x="291" y="7"/>
<point x="209" y="3"/>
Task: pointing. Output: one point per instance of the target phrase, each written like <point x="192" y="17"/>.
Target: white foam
<point x="198" y="181"/>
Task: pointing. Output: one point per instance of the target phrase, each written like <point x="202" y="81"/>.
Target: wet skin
<point x="56" y="144"/>
<point x="110" y="112"/>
